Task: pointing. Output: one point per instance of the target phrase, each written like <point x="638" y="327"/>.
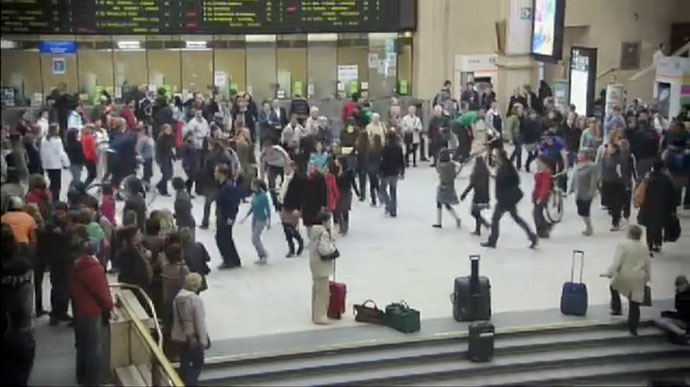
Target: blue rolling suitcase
<point x="574" y="295"/>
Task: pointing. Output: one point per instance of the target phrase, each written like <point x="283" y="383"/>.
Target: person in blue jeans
<point x="227" y="205"/>
<point x="261" y="210"/>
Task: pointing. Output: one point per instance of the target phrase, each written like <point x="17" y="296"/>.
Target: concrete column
<point x="515" y="66"/>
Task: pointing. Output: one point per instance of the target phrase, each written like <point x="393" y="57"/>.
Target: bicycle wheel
<point x="553" y="210"/>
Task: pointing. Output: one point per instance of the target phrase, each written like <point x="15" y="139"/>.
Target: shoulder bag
<point x="326" y="247"/>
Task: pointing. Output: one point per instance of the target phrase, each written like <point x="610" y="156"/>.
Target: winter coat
<point x="659" y="202"/>
<point x="479" y="182"/>
<point x="189" y="318"/>
<point x="88" y="143"/>
<point x="164" y="146"/>
<point x="197" y="258"/>
<point x="42" y="199"/>
<point x="137" y="204"/>
<point x="631" y="270"/>
<point x="53" y="155"/>
<point x="183" y="210"/>
<point x="392" y="161"/>
<point x="345" y="182"/>
<point x="373" y="162"/>
<point x="508" y="192"/>
<point x="531" y="131"/>
<point x="90" y="293"/>
<point x="74" y="150"/>
<point x="134" y="267"/>
<point x="227" y="202"/>
<point x="16" y="294"/>
<point x="33" y="157"/>
<point x="292" y="191"/>
<point x="173" y="277"/>
<point x="445" y="193"/>
<point x="314" y="198"/>
<point x="190" y="160"/>
<point x="319" y="267"/>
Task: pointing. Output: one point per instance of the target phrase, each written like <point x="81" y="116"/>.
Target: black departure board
<point x="205" y="16"/>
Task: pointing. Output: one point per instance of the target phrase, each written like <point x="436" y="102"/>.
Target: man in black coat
<point x="657" y="207"/>
<point x="227" y="205"/>
<point x="508" y="194"/>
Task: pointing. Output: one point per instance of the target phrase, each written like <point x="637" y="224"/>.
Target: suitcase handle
<point x="474" y="257"/>
<point x="572" y="264"/>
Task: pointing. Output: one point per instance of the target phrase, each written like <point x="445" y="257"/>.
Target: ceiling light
<point x="195" y="44"/>
<point x="322" y="37"/>
<point x="128" y="44"/>
<point x="260" y="38"/>
<point x="7" y="44"/>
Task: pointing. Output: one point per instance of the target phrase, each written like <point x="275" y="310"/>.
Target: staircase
<point x="598" y="353"/>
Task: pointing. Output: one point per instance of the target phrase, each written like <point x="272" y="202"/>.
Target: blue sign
<point x="58" y="48"/>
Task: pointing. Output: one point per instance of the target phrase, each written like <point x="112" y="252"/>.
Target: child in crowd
<point x="445" y="193"/>
<point x="319" y="157"/>
<point x="585" y="184"/>
<point x="543" y="183"/>
<point x="183" y="205"/>
<point x="479" y="182"/>
<point x="261" y="210"/>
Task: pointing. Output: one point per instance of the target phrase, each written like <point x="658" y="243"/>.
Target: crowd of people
<point x="304" y="173"/>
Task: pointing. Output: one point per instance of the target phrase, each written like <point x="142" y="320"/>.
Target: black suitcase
<point x="481" y="341"/>
<point x="472" y="295"/>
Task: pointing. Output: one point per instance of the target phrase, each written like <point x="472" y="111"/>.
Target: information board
<point x="205" y="16"/>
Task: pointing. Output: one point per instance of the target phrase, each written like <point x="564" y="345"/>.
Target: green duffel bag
<point x="401" y="317"/>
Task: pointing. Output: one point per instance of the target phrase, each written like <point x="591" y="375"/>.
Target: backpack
<point x="640" y="193"/>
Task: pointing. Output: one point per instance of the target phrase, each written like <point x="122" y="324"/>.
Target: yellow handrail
<point x="155" y="349"/>
<point x="148" y="301"/>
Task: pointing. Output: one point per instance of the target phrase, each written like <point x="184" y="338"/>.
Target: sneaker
<point x="224" y="266"/>
<point x="476" y="233"/>
<point x="436" y="226"/>
<point x="40" y="312"/>
<point x="260" y="261"/>
<point x="204" y="226"/>
<point x="533" y="241"/>
<point x="615" y="312"/>
<point x="587" y="233"/>
<point x="361" y="198"/>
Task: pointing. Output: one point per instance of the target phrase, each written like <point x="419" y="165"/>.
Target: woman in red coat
<point x="543" y="184"/>
<point x="88" y="143"/>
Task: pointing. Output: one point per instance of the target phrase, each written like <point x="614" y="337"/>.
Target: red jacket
<point x="42" y="199"/>
<point x="129" y="117"/>
<point x="333" y="192"/>
<point x="543" y="183"/>
<point x="88" y="144"/>
<point x="349" y="110"/>
<point x="90" y="293"/>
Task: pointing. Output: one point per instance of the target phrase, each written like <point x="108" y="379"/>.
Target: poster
<point x="614" y="97"/>
<point x="348" y="73"/>
<point x="59" y="66"/>
<point x="373" y="60"/>
<point x="220" y="79"/>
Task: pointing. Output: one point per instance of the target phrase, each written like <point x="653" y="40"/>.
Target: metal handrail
<point x="146" y="336"/>
<point x="141" y="291"/>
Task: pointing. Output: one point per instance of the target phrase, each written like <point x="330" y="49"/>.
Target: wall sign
<point x="58" y="48"/>
<point x="59" y="66"/>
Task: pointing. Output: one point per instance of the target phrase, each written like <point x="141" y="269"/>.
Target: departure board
<point x="206" y="16"/>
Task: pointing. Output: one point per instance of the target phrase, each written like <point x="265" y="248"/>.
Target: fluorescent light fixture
<point x="260" y="38"/>
<point x="7" y="44"/>
<point x="322" y="37"/>
<point x="195" y="44"/>
<point x="382" y="35"/>
<point x="128" y="44"/>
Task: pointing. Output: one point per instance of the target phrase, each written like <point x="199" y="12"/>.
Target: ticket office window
<point x="165" y="62"/>
<point x="95" y="66"/>
<point x="21" y="70"/>
<point x="322" y="53"/>
<point x="130" y="66"/>
<point x="229" y="63"/>
<point x="292" y="65"/>
<point x="261" y="67"/>
<point x="353" y="50"/>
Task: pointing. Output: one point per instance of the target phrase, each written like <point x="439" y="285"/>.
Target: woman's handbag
<point x="368" y="314"/>
<point x="326" y="248"/>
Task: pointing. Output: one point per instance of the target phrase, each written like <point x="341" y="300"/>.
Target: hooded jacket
<point x="90" y="293"/>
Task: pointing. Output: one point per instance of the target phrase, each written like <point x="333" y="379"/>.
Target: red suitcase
<point x="336" y="305"/>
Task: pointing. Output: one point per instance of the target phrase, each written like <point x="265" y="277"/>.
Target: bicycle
<point x="553" y="210"/>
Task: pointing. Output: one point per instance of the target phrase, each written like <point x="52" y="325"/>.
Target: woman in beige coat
<point x="320" y="234"/>
<point x="629" y="273"/>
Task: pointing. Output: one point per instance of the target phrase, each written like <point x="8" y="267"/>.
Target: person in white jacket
<point x="412" y="132"/>
<point x="53" y="160"/>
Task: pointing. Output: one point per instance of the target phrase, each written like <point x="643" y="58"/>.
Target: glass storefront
<point x="318" y="66"/>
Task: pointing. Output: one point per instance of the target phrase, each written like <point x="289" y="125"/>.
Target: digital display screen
<point x="547" y="28"/>
<point x="582" y="75"/>
<point x="206" y="16"/>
